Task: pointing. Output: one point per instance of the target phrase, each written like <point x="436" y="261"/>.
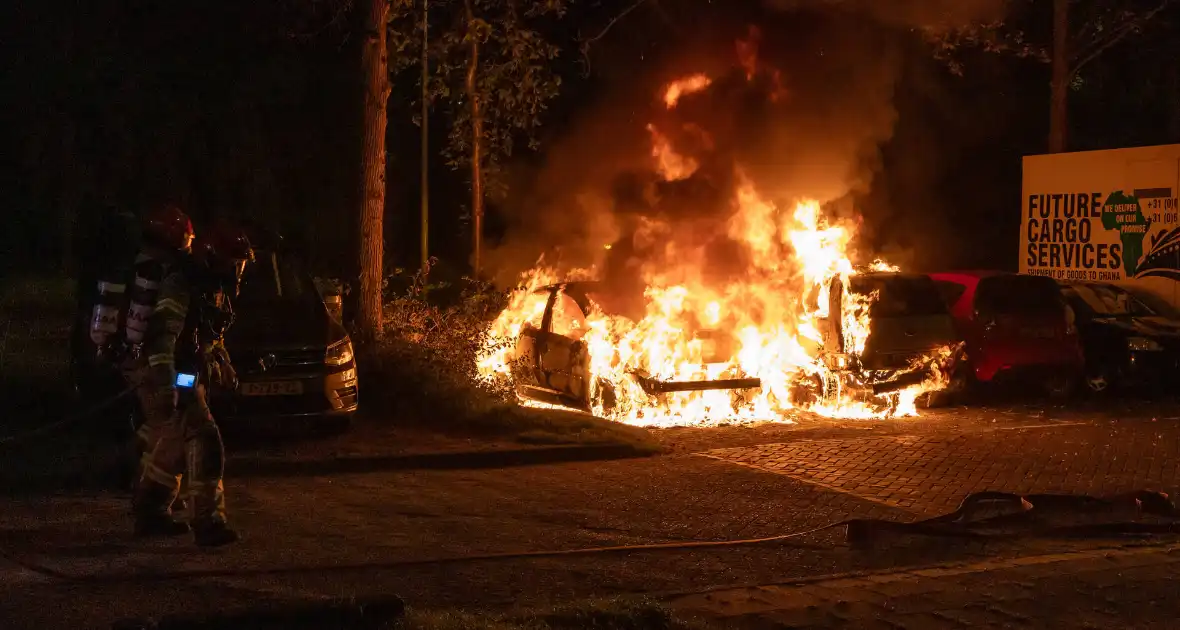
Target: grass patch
<point x="36" y="316"/>
<point x="615" y="614"/>
<point x="425" y="372"/>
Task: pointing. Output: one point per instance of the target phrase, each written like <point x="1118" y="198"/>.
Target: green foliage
<point x="515" y="78"/>
<point x="1095" y="26"/>
<point x="426" y="362"/>
<point x="425" y="369"/>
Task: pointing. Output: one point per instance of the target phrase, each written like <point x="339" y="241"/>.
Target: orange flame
<point x="775" y="317"/>
<point x="670" y="164"/>
<point x="683" y="87"/>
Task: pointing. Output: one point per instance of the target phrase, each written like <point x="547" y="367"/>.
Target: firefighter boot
<point x="213" y="534"/>
<point x="153" y="518"/>
<point x="205" y="456"/>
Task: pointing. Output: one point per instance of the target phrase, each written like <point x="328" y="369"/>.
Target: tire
<point x="935" y="400"/>
<point x="1098" y="382"/>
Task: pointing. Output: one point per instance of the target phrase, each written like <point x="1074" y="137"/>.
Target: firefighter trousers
<point x="155" y="406"/>
<point x="187" y="443"/>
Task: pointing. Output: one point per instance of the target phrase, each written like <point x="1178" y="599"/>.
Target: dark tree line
<point x="247" y="110"/>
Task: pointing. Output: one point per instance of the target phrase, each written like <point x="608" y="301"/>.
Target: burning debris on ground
<point x="749" y="308"/>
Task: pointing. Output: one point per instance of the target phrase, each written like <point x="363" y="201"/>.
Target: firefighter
<point x="185" y="358"/>
<point x="166" y="243"/>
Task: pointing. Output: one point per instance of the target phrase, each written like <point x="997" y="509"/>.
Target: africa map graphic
<point x="1124" y="213"/>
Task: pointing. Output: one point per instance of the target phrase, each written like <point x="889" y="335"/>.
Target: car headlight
<point x="339" y="353"/>
<point x="1143" y="344"/>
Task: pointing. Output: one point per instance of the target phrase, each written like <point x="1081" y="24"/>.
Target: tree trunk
<point x="1059" y="84"/>
<point x="1174" y="104"/>
<point x="476" y="144"/>
<point x="425" y="210"/>
<point x="375" y="69"/>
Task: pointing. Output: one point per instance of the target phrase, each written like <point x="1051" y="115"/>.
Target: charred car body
<point x="552" y="360"/>
<point x="1130" y="339"/>
<point x="913" y="335"/>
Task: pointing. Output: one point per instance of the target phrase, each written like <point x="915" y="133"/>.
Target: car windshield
<point x="1158" y="305"/>
<point x="275" y="279"/>
<point x="900" y="296"/>
<point x="1018" y="295"/>
<point x="1110" y="301"/>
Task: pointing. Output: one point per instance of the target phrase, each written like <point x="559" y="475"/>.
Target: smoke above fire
<point x="799" y="103"/>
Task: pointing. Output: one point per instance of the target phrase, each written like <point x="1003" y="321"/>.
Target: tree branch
<point x="584" y="43"/>
<point x="337" y="10"/>
<point x="1101" y="45"/>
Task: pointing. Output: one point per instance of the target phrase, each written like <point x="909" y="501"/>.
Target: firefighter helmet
<point x="224" y="242"/>
<point x="225" y="251"/>
<point x="168" y="226"/>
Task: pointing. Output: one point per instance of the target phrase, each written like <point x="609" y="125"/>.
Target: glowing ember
<point x="768" y="324"/>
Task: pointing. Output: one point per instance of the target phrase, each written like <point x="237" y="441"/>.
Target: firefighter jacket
<point x="184" y="331"/>
<point x="165" y="340"/>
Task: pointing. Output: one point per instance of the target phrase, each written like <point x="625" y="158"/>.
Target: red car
<point x="1018" y="328"/>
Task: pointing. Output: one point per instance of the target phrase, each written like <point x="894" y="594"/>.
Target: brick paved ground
<point x="344" y="535"/>
<point x="1114" y="588"/>
<point x="930" y="475"/>
<point x="347" y="534"/>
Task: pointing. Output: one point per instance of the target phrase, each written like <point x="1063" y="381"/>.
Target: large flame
<point x="774" y="314"/>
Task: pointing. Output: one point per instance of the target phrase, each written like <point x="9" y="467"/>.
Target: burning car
<point x="912" y="349"/>
<point x="552" y="360"/>
<point x="744" y="305"/>
<point x="911" y="338"/>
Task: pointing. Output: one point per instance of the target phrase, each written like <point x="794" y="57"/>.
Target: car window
<point x="1107" y="300"/>
<point x="273" y="278"/>
<point x="1075" y="301"/>
<point x="950" y="291"/>
<point x="1018" y="295"/>
<point x="568" y="318"/>
<point x="900" y="296"/>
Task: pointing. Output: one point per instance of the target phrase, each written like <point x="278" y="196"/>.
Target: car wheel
<point x="605" y="395"/>
<point x="1099" y="381"/>
<point x="934" y="400"/>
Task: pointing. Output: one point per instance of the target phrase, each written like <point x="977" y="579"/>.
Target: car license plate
<point x="272" y="388"/>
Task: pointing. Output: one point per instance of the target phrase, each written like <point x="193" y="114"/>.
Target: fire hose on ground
<point x="69" y="420"/>
<point x="859" y="534"/>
